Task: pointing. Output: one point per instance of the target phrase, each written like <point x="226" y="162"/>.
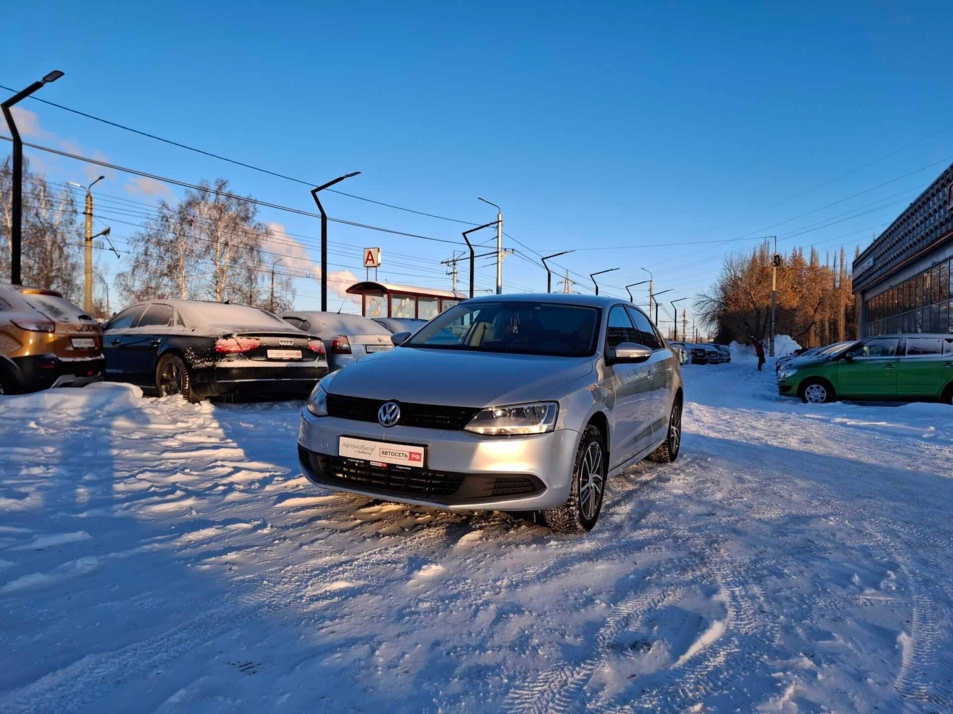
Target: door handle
<point x="155" y="343"/>
<point x="114" y="343"/>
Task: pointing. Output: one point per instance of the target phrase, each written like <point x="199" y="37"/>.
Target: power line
<point x="240" y="163"/>
<point x="206" y="189"/>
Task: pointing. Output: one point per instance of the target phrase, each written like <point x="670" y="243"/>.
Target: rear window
<point x="56" y="308"/>
<point x="220" y="314"/>
<point x="924" y="346"/>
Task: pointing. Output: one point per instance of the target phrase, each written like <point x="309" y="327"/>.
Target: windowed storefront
<point x="923" y="303"/>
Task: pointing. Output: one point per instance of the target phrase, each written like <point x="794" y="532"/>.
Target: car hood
<point x="805" y="362"/>
<point x="458" y="378"/>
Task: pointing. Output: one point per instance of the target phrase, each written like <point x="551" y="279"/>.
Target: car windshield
<point x="521" y="327"/>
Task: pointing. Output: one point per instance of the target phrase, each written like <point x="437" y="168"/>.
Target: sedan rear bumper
<point x="461" y="470"/>
<point x="284" y="378"/>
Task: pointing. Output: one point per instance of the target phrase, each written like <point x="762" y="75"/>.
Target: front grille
<point x="425" y="484"/>
<point x="398" y="480"/>
<point x="430" y="416"/>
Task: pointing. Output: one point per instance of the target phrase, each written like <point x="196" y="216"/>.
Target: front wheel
<point x="580" y="513"/>
<point x="668" y="451"/>
<point x="172" y="377"/>
<point x="817" y="392"/>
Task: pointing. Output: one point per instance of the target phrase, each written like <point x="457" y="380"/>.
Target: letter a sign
<point x="372" y="257"/>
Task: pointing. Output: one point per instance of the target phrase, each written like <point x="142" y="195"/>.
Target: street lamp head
<point x="353" y="173"/>
<point x="52" y="76"/>
<point x="95" y="182"/>
<point x="480" y="198"/>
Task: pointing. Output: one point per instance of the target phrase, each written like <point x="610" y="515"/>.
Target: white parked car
<point x="513" y="403"/>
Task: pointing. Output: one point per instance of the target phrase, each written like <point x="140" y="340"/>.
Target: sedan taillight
<point x="230" y="345"/>
<point x="35" y="325"/>
<point x="317" y="346"/>
<point x="341" y="346"/>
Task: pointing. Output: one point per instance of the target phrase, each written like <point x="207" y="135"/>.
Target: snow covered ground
<point x="157" y="556"/>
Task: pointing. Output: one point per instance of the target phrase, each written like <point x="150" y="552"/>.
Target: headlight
<point x="787" y="372"/>
<point x="538" y="418"/>
<point x="318" y="401"/>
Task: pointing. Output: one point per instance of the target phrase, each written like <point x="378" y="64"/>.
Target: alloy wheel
<point x="591" y="481"/>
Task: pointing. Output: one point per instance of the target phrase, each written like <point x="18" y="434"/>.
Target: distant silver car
<point x="510" y="403"/>
<point x="347" y="338"/>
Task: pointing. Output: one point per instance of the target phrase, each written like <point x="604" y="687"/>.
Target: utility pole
<point x="651" y="286"/>
<point x="592" y="277"/>
<point x="499" y="245"/>
<point x="16" y="178"/>
<point x="88" y="268"/>
<point x="566" y="282"/>
<point x="775" y="262"/>
<point x="685" y="324"/>
<point x="272" y="302"/>
<point x="452" y="262"/>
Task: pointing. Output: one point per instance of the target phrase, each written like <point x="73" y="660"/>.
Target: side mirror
<point x="849" y="356"/>
<point x="628" y="352"/>
<point x="399" y="338"/>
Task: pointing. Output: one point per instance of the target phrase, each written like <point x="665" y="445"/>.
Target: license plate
<point x="386" y="453"/>
<point x="83" y="343"/>
<point x="284" y="354"/>
<point x="377" y="348"/>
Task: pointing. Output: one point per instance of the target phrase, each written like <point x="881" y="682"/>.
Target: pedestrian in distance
<point x="759" y="350"/>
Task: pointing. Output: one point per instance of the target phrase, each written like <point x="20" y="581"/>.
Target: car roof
<point x="558" y="298"/>
<point x="343" y="323"/>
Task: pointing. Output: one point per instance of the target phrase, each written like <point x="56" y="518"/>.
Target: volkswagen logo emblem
<point x="389" y="413"/>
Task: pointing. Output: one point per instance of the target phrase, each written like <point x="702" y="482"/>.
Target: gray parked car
<point x="510" y="403"/>
<point x="400" y="324"/>
<point x="347" y="338"/>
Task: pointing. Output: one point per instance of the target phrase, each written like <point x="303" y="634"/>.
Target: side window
<point x="881" y="347"/>
<point x="297" y="322"/>
<point x="620" y="328"/>
<point x="156" y="316"/>
<point x="125" y="319"/>
<point x="924" y="346"/>
<point x="647" y="334"/>
<point x="948" y="346"/>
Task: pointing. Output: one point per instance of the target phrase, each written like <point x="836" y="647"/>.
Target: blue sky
<point x="642" y="135"/>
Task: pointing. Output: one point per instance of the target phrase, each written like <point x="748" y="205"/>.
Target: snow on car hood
<point x="458" y="378"/>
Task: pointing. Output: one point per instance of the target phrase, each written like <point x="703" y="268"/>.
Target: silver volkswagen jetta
<point x="510" y="403"/>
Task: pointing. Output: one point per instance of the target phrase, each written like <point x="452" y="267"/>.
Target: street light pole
<point x="593" y="279"/>
<point x="549" y="275"/>
<point x="661" y="292"/>
<point x="470" y="247"/>
<point x="675" y="327"/>
<point x="324" y="236"/>
<point x="632" y="285"/>
<point x="16" y="192"/>
<point x="499" y="245"/>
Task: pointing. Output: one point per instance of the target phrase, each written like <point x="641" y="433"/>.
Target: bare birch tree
<point x="51" y="234"/>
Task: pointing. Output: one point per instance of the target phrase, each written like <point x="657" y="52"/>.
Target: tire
<point x="816" y="391"/>
<point x="7" y="383"/>
<point x="172" y="377"/>
<point x="668" y="452"/>
<point x="580" y="513"/>
<point x="947" y="397"/>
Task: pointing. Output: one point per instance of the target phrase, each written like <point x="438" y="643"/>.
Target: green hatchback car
<point x="910" y="367"/>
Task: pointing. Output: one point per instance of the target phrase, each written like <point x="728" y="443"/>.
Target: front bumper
<point x="461" y="471"/>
